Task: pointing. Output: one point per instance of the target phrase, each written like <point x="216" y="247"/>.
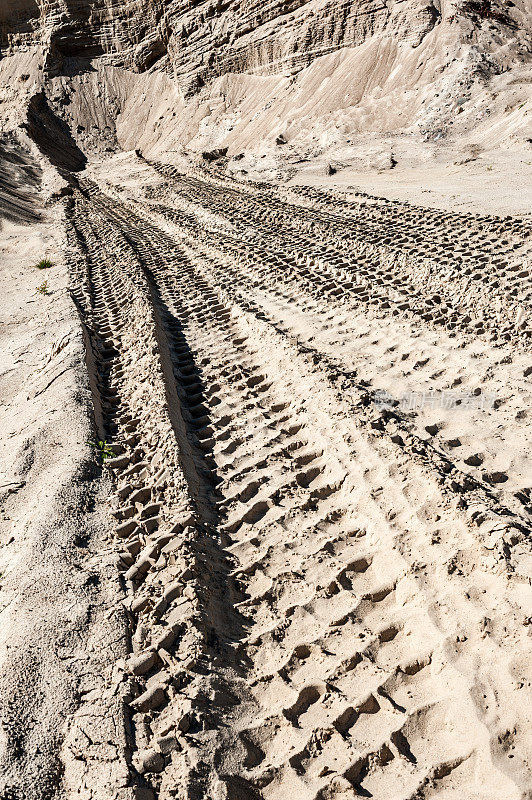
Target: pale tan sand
<point x="59" y="626"/>
<point x="304" y="567"/>
<point x="326" y="597"/>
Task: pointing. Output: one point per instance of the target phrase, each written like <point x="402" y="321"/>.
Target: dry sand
<point x="303" y="567"/>
<point x="61" y="620"/>
<point x="476" y="187"/>
<point x="306" y="569"/>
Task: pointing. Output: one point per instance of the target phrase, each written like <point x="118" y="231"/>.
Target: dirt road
<point x="319" y="408"/>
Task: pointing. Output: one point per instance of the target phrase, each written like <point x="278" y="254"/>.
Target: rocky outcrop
<point x="299" y="76"/>
<point x="199" y="43"/>
<point x="196" y="42"/>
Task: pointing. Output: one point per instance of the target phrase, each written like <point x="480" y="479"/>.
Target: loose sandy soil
<point x="265" y="430"/>
<point x="499" y="183"/>
<point x="306" y="569"/>
<point x="62" y="622"/>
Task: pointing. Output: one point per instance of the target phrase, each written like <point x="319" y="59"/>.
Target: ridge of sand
<point x="59" y="622"/>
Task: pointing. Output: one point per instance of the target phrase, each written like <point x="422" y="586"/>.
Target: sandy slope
<point x="59" y="624"/>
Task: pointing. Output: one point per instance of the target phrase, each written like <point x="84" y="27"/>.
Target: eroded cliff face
<point x="170" y="74"/>
<point x="200" y="42"/>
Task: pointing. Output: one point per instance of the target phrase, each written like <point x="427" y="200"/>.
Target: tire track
<point x="399" y="257"/>
<point x="283" y="635"/>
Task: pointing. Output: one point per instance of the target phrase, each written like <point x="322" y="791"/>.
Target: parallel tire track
<point x="282" y="635"/>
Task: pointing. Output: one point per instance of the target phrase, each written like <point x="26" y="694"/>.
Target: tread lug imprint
<point x="287" y="550"/>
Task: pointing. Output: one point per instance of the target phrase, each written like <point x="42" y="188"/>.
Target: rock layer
<point x="305" y="75"/>
<point x="215" y="38"/>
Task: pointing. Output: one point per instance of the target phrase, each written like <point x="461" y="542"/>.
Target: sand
<point x="61" y="619"/>
<point x="265" y="426"/>
<point x="306" y="566"/>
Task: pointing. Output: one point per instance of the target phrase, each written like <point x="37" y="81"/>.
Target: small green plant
<point x="43" y="288"/>
<point x="44" y="263"/>
<point x="103" y="450"/>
